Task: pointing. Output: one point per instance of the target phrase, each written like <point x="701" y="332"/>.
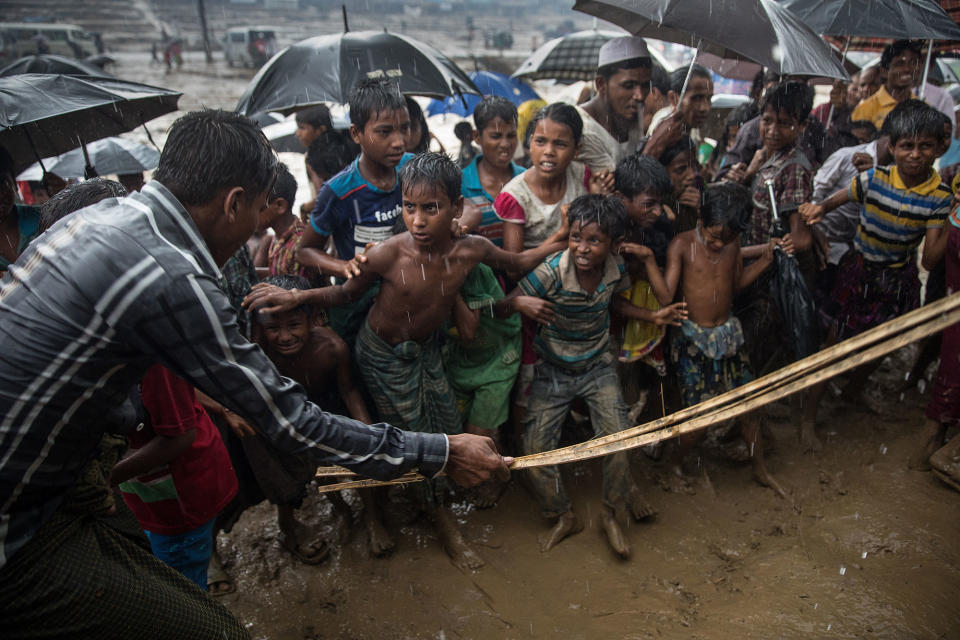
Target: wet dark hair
<point x="914" y="118"/>
<point x="793" y="98"/>
<point x="684" y="144"/>
<point x="642" y="174"/>
<point x="771" y="76"/>
<point x="434" y="170"/>
<point x="316" y="117"/>
<point x="210" y="150"/>
<point x="372" y="96"/>
<point x="491" y="108"/>
<point x="606" y="71"/>
<point x="561" y="113"/>
<point x="726" y="204"/>
<point x="678" y="75"/>
<point x="463" y="131"/>
<point x="894" y="49"/>
<point x="865" y="124"/>
<point x="288" y="282"/>
<point x="329" y="154"/>
<point x="660" y="79"/>
<point x="75" y="197"/>
<point x="607" y="212"/>
<point x="7" y="168"/>
<point x="285" y="186"/>
<point x="416" y="115"/>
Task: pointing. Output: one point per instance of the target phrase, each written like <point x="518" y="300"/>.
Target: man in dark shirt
<point x="85" y="310"/>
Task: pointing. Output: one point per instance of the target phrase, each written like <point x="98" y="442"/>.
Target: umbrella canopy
<point x="570" y="57"/>
<point x="108" y="156"/>
<point x="899" y="19"/>
<point x="47" y="63"/>
<point x="490" y="83"/>
<point x="863" y="42"/>
<point x="325" y="69"/>
<point x="758" y="30"/>
<point x="46" y="115"/>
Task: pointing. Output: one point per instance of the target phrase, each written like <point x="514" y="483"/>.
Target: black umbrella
<point x="898" y="19"/>
<point x="325" y="69"/>
<point x="46" y="115"/>
<point x="46" y="63"/>
<point x="758" y="30"/>
<point x="570" y="57"/>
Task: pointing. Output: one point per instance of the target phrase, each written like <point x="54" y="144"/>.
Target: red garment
<point x="944" y="404"/>
<point x="196" y="486"/>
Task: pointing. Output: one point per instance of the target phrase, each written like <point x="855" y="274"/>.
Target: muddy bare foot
<point x="640" y="509"/>
<point x="618" y="541"/>
<point x="809" y="442"/>
<point x="344" y="516"/>
<point x="567" y="525"/>
<point x="487" y="494"/>
<point x="676" y="481"/>
<point x="379" y="541"/>
<point x="461" y="554"/>
<point x="304" y="545"/>
<point x="219" y="583"/>
<point x="764" y="479"/>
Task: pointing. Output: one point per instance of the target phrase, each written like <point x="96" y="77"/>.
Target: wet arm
<point x="513" y="242"/>
<point x="764" y="258"/>
<point x="156" y="453"/>
<point x="466" y="319"/>
<point x="934" y="246"/>
<point x="664" y="285"/>
<point x="349" y="392"/>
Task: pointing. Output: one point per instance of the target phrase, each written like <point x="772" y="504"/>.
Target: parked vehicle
<point x="250" y="46"/>
<point x="24" y="39"/>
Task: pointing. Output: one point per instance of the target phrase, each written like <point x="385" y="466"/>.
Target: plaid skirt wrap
<point x="410" y="390"/>
<point x="709" y="360"/>
<point x="868" y="294"/>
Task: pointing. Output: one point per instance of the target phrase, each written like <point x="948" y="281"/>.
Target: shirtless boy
<point x="398" y="347"/>
<point x="707" y="349"/>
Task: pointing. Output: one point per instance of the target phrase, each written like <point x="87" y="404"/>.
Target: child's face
<point x="552" y="148"/>
<point x="274" y="208"/>
<point x="429" y="214"/>
<point x="695" y="106"/>
<point x="717" y="236"/>
<point x="498" y="142"/>
<point x="589" y="246"/>
<point x="914" y="156"/>
<point x="681" y="172"/>
<point x="413" y="138"/>
<point x="384" y="138"/>
<point x="644" y="209"/>
<point x="307" y="133"/>
<point x="778" y="129"/>
<point x="285" y="333"/>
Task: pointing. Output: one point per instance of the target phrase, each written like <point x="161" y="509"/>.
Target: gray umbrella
<point x="759" y="30"/>
<point x="108" y="156"/>
<point x="47" y="63"/>
<point x="899" y="19"/>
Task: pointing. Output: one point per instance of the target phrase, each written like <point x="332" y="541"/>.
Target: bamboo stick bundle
<point x="849" y="354"/>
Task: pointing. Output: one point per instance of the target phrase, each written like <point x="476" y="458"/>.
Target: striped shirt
<point x="98" y="299"/>
<point x="580" y="332"/>
<point x="893" y="218"/>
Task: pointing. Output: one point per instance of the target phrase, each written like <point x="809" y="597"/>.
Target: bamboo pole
<point x="784" y="382"/>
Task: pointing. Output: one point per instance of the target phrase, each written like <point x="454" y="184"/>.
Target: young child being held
<point x="902" y="206"/>
<point x="398" y="348"/>
<point x="319" y="360"/>
<point x="680" y="161"/>
<point x="571" y="295"/>
<point x="706" y="264"/>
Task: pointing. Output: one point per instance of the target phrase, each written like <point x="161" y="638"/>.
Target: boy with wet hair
<point x="76" y="197"/>
<point x="901" y="206"/>
<point x="694" y="108"/>
<point x="319" y="360"/>
<point x="312" y="123"/>
<point x="706" y="264"/>
<point x="571" y="295"/>
<point x="483" y="179"/>
<point x="279" y="252"/>
<point x="398" y="347"/>
<point x="361" y="203"/>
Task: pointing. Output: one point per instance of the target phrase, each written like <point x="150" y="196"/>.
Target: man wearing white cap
<point x="612" y="125"/>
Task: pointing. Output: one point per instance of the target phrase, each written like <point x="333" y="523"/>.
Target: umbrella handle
<point x="456" y="87"/>
<point x="149" y="137"/>
<point x="36" y="155"/>
<point x="926" y="72"/>
<point x="686" y="80"/>
<point x="88" y="170"/>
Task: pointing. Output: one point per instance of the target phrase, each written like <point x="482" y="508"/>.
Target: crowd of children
<point x="506" y="301"/>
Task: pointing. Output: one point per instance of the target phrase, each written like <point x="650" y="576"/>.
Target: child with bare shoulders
<point x="571" y="295"/>
<point x="706" y="263"/>
<point x="316" y="357"/>
<point x="398" y="347"/>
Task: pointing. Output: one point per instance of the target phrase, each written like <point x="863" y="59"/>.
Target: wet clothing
<point x="482" y="371"/>
<point x="237" y="277"/>
<point x="282" y="256"/>
<point x="599" y="150"/>
<point x="132" y="285"/>
<point x="944" y="405"/>
<point x="792" y="176"/>
<point x="552" y="392"/>
<point x="840" y="225"/>
<point x="490" y="227"/>
<point x="812" y="141"/>
<point x="28" y="221"/>
<point x="709" y="361"/>
<point x="893" y="218"/>
<point x="642" y="340"/>
<point x="188" y="552"/>
<point x="517" y="204"/>
<point x="409" y="388"/>
<point x="580" y="331"/>
<point x="875" y="108"/>
<point x="190" y="490"/>
<point x="354" y="211"/>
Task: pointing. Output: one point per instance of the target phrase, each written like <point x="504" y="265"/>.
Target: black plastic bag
<point x="796" y="305"/>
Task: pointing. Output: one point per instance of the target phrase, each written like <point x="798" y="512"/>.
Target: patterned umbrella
<point x="571" y="57"/>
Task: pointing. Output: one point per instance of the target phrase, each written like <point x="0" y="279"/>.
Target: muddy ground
<point x="870" y="550"/>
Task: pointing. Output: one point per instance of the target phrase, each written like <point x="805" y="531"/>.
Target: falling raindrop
<point x="402" y="278"/>
<point x="843" y="570"/>
<point x="422" y="272"/>
<point x="863" y="555"/>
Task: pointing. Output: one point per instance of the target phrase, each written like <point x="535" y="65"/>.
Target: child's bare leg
<point x="750" y="429"/>
<point x="487" y="494"/>
<point x="857" y="380"/>
<point x="293" y="538"/>
<point x="616" y="539"/>
<point x="461" y="554"/>
<point x="567" y="525"/>
<point x="344" y="516"/>
<point x="219" y="582"/>
<point x="807" y="434"/>
<point x="380" y="542"/>
<point x="677" y="480"/>
<point x="930" y="441"/>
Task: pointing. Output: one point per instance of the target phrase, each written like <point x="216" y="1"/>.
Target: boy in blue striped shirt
<point x="571" y="295"/>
